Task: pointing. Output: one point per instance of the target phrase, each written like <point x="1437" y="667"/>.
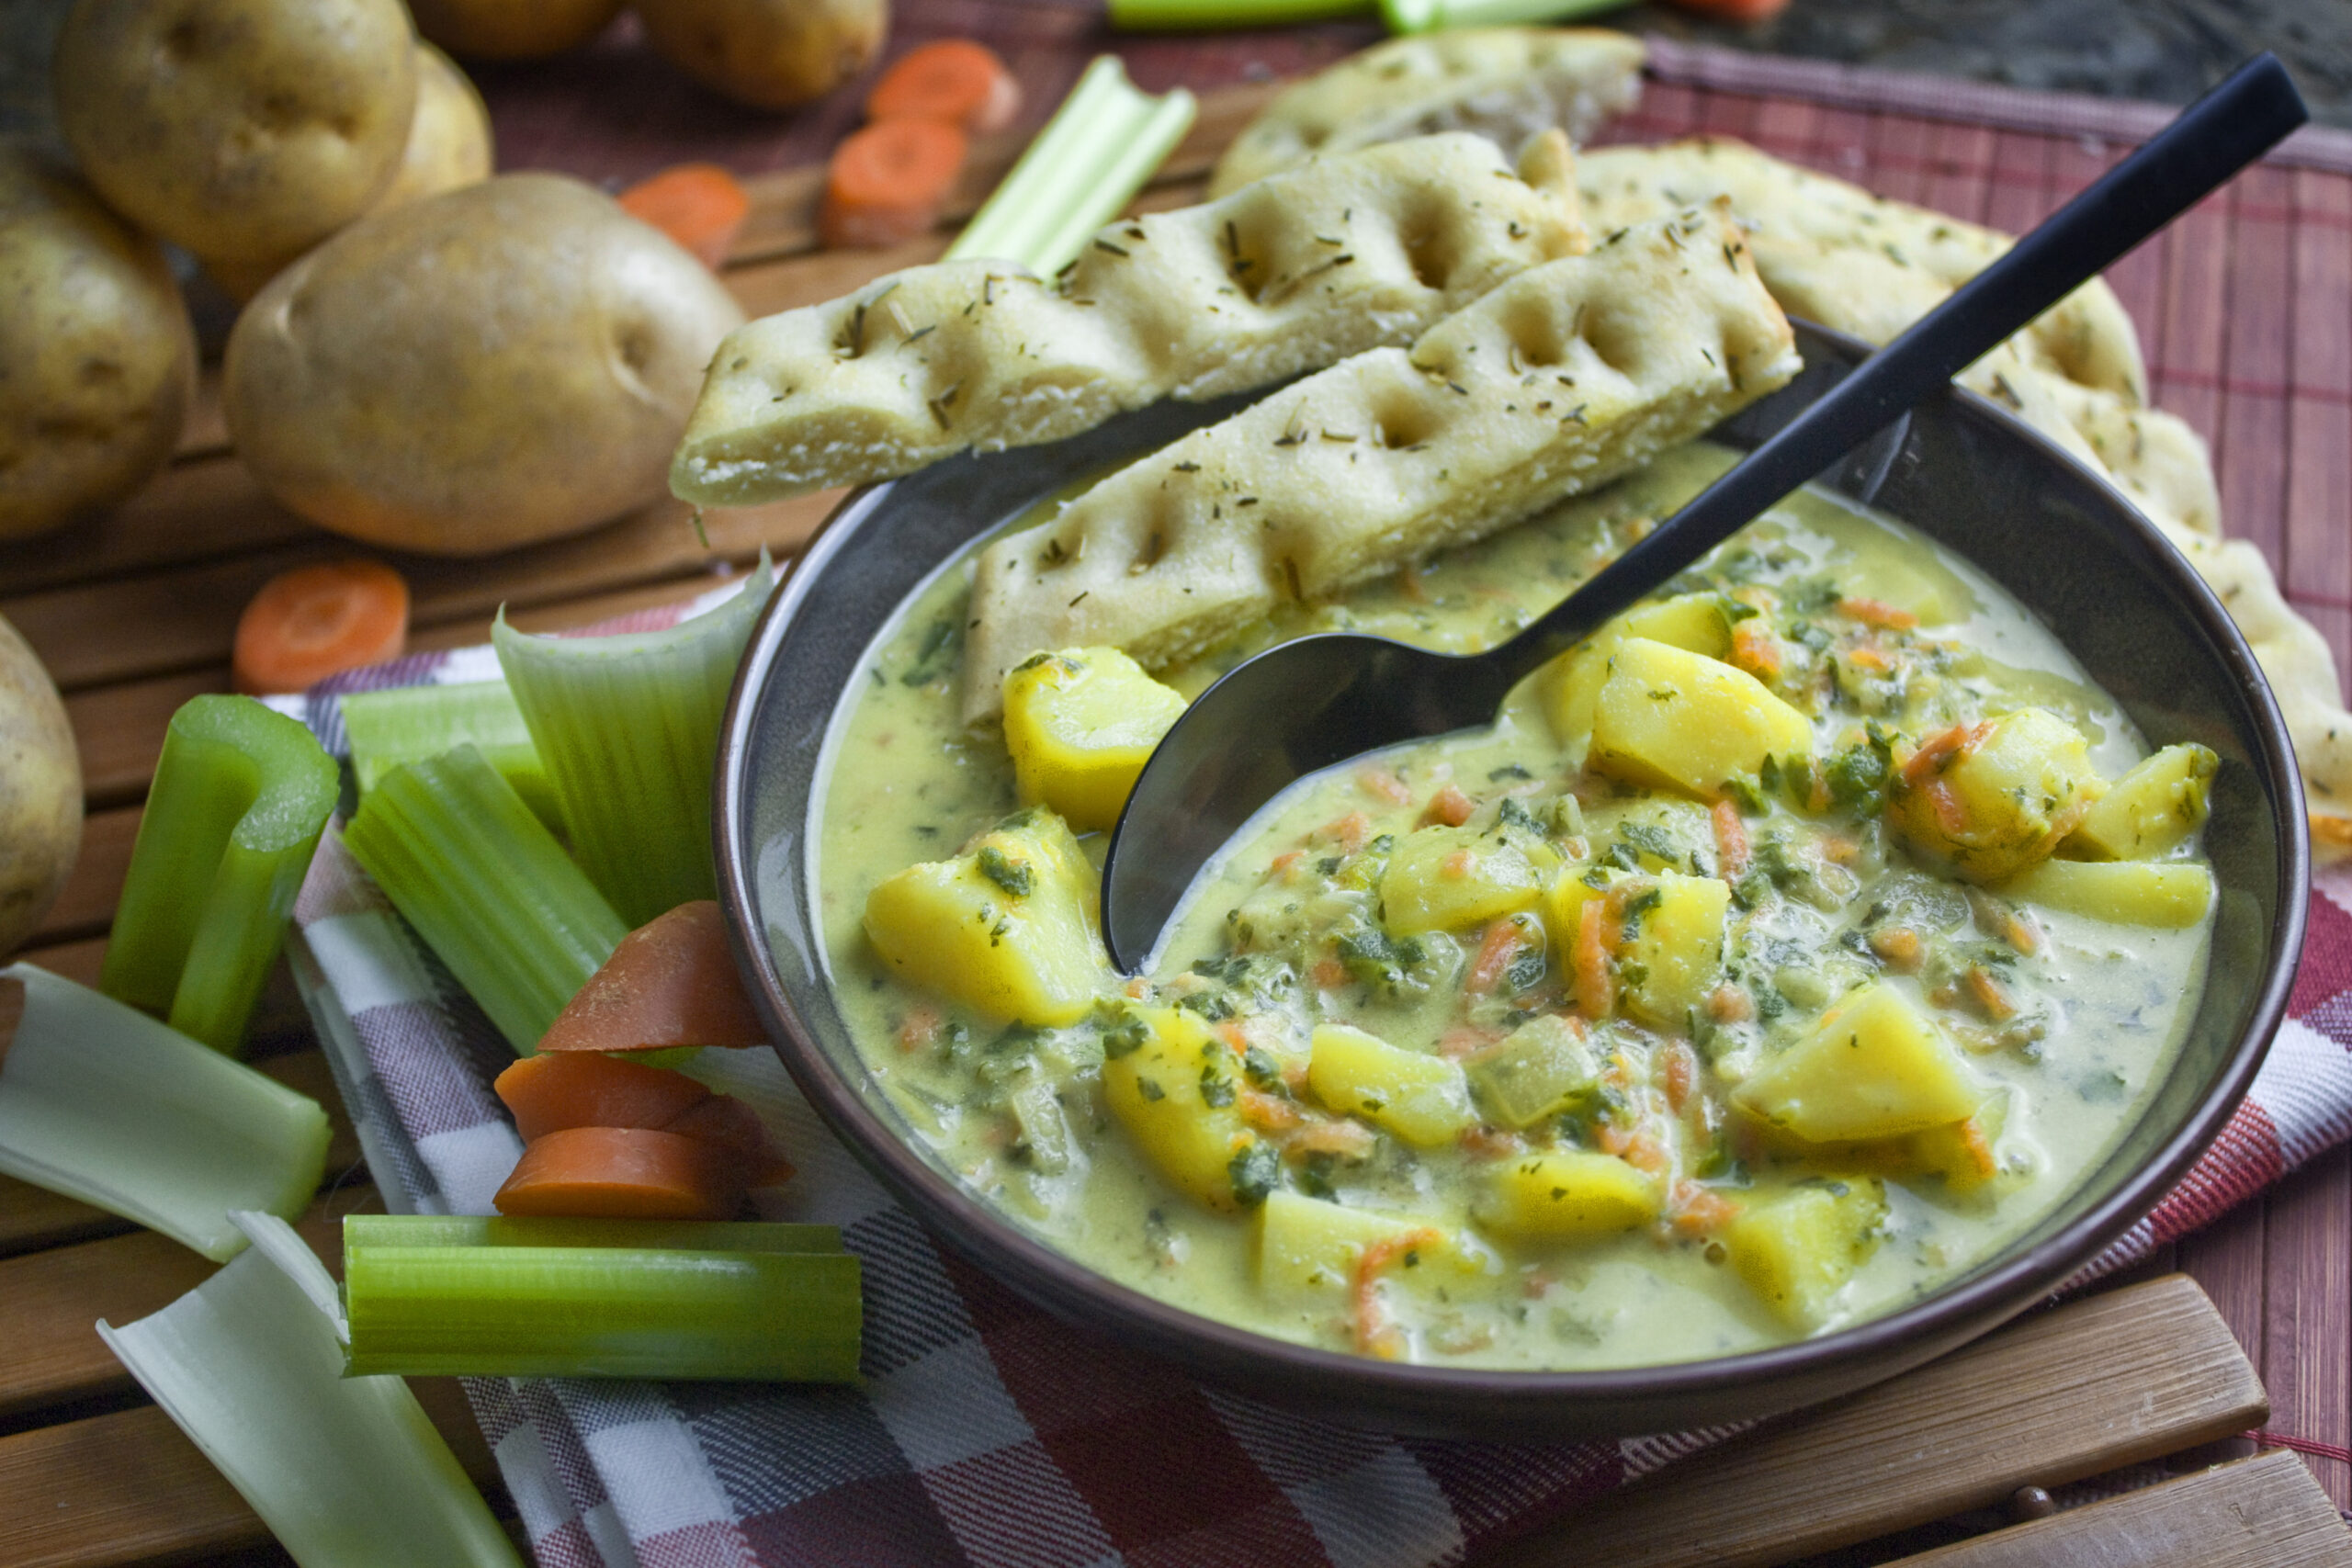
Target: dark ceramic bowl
<point x="2060" y="539"/>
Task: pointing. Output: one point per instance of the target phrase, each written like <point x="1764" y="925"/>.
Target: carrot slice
<point x="671" y="982"/>
<point x="701" y="206"/>
<point x="887" y="183"/>
<point x="725" y="1123"/>
<point x="623" y="1173"/>
<point x="547" y="1094"/>
<point x="954" y="80"/>
<point x="317" y="621"/>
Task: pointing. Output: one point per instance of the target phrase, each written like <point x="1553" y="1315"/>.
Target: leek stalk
<point x="408" y="723"/>
<point x="347" y="1472"/>
<point x="487" y="886"/>
<point x="629" y="728"/>
<point x="1080" y="172"/>
<point x="101" y="1102"/>
<point x="600" y="1298"/>
<point x="239" y="796"/>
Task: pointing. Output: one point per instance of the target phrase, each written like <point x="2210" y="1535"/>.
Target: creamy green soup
<point x="1776" y="957"/>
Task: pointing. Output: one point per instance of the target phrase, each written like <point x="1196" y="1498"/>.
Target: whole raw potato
<point x="499" y="364"/>
<point x="239" y="128"/>
<point x="769" y="53"/>
<point x="41" y="792"/>
<point x="96" y="358"/>
<point x="511" y="29"/>
<point x="448" y="146"/>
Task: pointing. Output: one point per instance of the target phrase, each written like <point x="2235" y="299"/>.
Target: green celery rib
<point x="408" y="723"/>
<point x="239" y="796"/>
<point x="1430" y="16"/>
<point x="633" y="1312"/>
<point x="487" y="886"/>
<point x="629" y="728"/>
<point x="347" y="1472"/>
<point x="101" y="1102"/>
<point x="1080" y="173"/>
<point x="694" y="1235"/>
<point x="1184" y="15"/>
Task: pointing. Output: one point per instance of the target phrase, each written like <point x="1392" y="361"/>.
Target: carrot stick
<point x="1495" y="953"/>
<point x="623" y="1173"/>
<point x="673" y="981"/>
<point x="547" y="1094"/>
<point x="317" y="621"/>
<point x="886" y="184"/>
<point x="1595" y="993"/>
<point x="954" y="81"/>
<point x="1731" y="841"/>
<point x="701" y="206"/>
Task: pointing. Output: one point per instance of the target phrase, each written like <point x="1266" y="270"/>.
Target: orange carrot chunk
<point x="547" y="1094"/>
<point x="623" y="1173"/>
<point x="317" y="621"/>
<point x="955" y="80"/>
<point x="725" y="1123"/>
<point x="887" y="183"/>
<point x="701" y="206"/>
<point x="673" y="981"/>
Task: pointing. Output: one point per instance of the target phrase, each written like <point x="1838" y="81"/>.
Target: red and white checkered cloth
<point x="987" y="1432"/>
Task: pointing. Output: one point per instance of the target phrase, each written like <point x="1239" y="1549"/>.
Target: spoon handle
<point x="2210" y="140"/>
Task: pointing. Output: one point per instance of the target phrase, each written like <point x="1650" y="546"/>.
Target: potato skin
<point x="499" y="364"/>
<point x="41" y="792"/>
<point x="768" y="53"/>
<point x="448" y="147"/>
<point x="511" y="29"/>
<point x="239" y="128"/>
<point x="97" y="360"/>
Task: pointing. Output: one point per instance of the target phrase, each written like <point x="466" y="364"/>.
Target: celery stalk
<point x="497" y="1230"/>
<point x="487" y="886"/>
<point x="1080" y="173"/>
<point x="422" y="1297"/>
<point x="1429" y="16"/>
<point x="629" y="728"/>
<point x="1186" y="15"/>
<point x="347" y="1472"/>
<point x="408" y="723"/>
<point x="101" y="1102"/>
<point x="233" y="818"/>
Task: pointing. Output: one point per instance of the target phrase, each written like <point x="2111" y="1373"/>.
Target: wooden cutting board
<point x="134" y="615"/>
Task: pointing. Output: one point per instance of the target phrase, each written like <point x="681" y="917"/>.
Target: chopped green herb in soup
<point x="1781" y="951"/>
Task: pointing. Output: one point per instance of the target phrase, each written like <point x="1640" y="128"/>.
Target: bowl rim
<point x="2008" y="1285"/>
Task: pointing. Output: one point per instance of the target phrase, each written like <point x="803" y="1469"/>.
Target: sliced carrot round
<point x="622" y="1173"/>
<point x="701" y="206"/>
<point x="317" y="621"/>
<point x="952" y="80"/>
<point x="547" y="1094"/>
<point x="887" y="183"/>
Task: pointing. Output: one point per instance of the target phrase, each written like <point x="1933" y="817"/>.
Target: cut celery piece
<point x="1430" y="16"/>
<point x="497" y="1230"/>
<point x="101" y="1102"/>
<point x="347" y="1472"/>
<point x="425" y="1298"/>
<point x="1080" y="173"/>
<point x="629" y="728"/>
<point x="408" y="723"/>
<point x="487" y="886"/>
<point x="239" y="796"/>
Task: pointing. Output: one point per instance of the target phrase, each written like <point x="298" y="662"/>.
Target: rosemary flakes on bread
<point x="1560" y="380"/>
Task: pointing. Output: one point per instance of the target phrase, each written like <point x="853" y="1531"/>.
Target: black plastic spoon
<point x="1306" y="704"/>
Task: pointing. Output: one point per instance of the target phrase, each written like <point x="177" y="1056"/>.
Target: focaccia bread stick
<point x="1506" y="83"/>
<point x="1298" y="272"/>
<point x="1558" y="381"/>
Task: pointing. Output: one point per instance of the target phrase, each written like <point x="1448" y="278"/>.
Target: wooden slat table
<point x="133" y="615"/>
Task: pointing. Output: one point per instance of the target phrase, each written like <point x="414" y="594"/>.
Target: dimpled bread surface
<point x="1298" y="272"/>
<point x="1562" y="379"/>
<point x="1506" y="83"/>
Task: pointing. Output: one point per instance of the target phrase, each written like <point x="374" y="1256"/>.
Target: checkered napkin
<point x="985" y="1431"/>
